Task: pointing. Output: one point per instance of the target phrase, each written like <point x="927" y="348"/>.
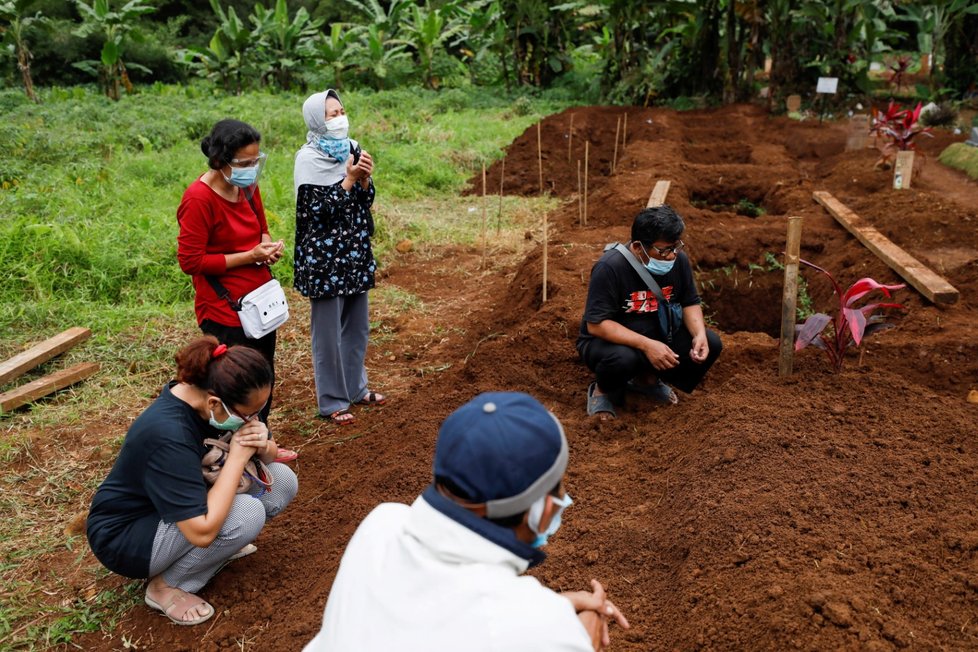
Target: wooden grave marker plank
<point x="658" y="196"/>
<point x="858" y="136"/>
<point x="46" y="385"/>
<point x="927" y="282"/>
<point x="41" y="353"/>
<point x="903" y="170"/>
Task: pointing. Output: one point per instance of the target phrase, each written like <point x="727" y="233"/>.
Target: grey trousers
<point x="187" y="567"/>
<point x="340" y="328"/>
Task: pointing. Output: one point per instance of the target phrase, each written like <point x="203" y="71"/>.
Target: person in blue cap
<point x="446" y="573"/>
<point x="643" y="324"/>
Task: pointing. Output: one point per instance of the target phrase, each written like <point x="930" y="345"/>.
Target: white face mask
<point x="338" y="127"/>
<point x="536" y="513"/>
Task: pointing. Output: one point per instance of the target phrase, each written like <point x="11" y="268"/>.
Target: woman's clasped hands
<point x="362" y="169"/>
<point x="251" y="439"/>
<point x="268" y="253"/>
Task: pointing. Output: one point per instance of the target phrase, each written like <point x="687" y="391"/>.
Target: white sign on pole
<point x="827" y="85"/>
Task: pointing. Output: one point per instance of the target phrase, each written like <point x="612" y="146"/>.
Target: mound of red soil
<point x="822" y="511"/>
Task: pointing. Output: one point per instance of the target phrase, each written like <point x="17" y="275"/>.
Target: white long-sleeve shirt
<point x="413" y="579"/>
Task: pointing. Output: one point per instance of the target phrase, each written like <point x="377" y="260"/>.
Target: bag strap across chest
<point x="663" y="311"/>
<point x="219" y="289"/>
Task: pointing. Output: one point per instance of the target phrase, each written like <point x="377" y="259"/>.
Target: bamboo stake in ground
<point x="580" y="197"/>
<point x="540" y="156"/>
<point x="499" y="215"/>
<point x="587" y="147"/>
<point x="484" y="239"/>
<point x="614" y="157"/>
<point x="624" y="133"/>
<point x="544" y="257"/>
<point x="789" y="299"/>
<point x="570" y="138"/>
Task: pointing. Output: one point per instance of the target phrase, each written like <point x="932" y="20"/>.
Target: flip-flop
<point x="181" y="599"/>
<point x="600" y="403"/>
<point x="286" y="455"/>
<point x="372" y="398"/>
<point x="659" y="392"/>
<point x="244" y="552"/>
<point x="342" y="417"/>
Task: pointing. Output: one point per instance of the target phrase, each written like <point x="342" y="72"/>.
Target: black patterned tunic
<point x="332" y="241"/>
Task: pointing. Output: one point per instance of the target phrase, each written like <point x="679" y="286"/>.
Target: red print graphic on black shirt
<point x="645" y="301"/>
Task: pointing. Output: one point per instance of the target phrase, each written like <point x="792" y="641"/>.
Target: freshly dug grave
<point x="822" y="511"/>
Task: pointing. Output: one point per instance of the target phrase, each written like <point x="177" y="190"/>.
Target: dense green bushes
<point x="645" y="51"/>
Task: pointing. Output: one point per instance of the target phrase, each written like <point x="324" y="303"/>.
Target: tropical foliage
<point x="618" y="50"/>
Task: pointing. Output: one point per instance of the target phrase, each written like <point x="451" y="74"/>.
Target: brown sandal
<point x="342" y="417"/>
<point x="372" y="398"/>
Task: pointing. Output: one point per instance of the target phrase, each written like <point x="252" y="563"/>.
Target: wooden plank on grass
<point x="44" y="386"/>
<point x="41" y="353"/>
<point x="909" y="268"/>
<point x="658" y="196"/>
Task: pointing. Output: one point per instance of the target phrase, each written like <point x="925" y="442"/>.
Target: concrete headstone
<point x="973" y="141"/>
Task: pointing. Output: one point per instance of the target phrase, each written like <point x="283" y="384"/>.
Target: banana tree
<point x="117" y="28"/>
<point x="487" y="36"/>
<point x="429" y="31"/>
<point x="934" y="19"/>
<point x="335" y="51"/>
<point x="374" y="54"/>
<point x="386" y="21"/>
<point x="14" y="23"/>
<point x="540" y="38"/>
<point x="228" y="58"/>
<point x="284" y="42"/>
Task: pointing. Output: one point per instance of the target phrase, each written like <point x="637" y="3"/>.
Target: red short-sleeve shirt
<point x="210" y="227"/>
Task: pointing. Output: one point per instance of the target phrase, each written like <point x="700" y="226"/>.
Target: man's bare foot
<point x="179" y="606"/>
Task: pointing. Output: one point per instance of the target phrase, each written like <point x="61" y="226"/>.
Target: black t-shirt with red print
<point x="617" y="292"/>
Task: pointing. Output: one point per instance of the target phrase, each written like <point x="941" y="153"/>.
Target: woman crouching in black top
<point x="154" y="516"/>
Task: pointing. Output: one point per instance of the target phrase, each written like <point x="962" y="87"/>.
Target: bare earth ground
<point x="819" y="512"/>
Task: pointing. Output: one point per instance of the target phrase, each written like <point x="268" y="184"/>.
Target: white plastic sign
<point x="827" y="85"/>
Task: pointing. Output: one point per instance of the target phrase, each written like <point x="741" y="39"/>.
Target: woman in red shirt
<point x="224" y="236"/>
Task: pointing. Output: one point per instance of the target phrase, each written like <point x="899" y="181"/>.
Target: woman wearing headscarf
<point x="334" y="264"/>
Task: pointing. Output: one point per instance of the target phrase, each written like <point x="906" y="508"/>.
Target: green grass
<point x="962" y="157"/>
<point x="88" y="196"/>
<point x="89" y="188"/>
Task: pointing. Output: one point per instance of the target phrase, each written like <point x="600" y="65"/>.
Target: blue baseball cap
<point x="504" y="449"/>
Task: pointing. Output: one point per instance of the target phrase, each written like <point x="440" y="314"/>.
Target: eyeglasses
<point x="250" y="417"/>
<point x="248" y="162"/>
<point x="666" y="251"/>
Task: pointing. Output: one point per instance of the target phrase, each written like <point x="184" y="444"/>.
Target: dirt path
<point x="820" y="512"/>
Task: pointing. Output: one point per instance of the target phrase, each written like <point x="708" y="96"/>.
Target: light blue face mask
<point x="338" y="149"/>
<point x="536" y="512"/>
<point x="243" y="177"/>
<point x="233" y="422"/>
<point x="657" y="267"/>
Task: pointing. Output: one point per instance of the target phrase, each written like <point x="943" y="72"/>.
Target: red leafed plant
<point x="850" y="325"/>
<point x="900" y="125"/>
<point x="899" y="69"/>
